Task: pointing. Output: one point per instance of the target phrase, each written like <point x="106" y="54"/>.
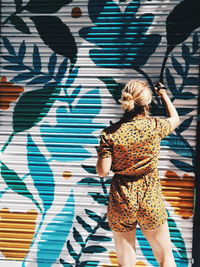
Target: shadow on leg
<point x="159" y="240"/>
<point x="125" y="248"/>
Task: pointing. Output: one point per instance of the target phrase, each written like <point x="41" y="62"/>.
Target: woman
<point x="130" y="148"/>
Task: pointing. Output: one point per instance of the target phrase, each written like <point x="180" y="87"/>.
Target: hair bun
<point x="127" y="96"/>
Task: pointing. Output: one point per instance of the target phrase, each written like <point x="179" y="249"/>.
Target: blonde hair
<point x="136" y="93"/>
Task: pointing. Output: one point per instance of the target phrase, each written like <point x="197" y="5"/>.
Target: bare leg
<point x="125" y="248"/>
<point x="159" y="239"/>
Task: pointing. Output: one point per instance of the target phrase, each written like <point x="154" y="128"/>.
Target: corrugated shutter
<point x="64" y="65"/>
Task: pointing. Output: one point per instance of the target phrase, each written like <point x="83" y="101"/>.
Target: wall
<point x="64" y="65"/>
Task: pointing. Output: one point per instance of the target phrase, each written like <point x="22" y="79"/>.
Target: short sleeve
<point x="105" y="149"/>
<point x="164" y="127"/>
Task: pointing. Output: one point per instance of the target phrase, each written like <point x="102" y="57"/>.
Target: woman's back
<point x="134" y="144"/>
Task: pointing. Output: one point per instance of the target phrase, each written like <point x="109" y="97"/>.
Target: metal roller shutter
<point x="64" y="64"/>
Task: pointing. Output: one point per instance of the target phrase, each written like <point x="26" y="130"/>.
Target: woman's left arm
<point x="103" y="166"/>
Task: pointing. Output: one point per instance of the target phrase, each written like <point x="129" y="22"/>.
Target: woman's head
<point x="136" y="95"/>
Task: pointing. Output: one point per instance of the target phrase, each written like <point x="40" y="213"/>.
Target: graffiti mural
<point x="64" y="64"/>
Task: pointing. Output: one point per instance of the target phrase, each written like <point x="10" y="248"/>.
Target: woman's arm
<point x="173" y="116"/>
<point x="103" y="166"/>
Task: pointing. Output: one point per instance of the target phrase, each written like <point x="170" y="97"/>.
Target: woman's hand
<point x="160" y="89"/>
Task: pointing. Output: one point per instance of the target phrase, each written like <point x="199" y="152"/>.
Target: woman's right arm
<point x="173" y="116"/>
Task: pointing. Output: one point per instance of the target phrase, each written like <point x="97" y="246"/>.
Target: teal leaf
<point x="45" y="6"/>
<point x="62" y="70"/>
<point x="92" y="215"/>
<point x="104" y="225"/>
<point x="19" y="24"/>
<point x="89" y="181"/>
<point x="90" y="169"/>
<point x="54" y="236"/>
<point x="12" y="59"/>
<point x="179" y="249"/>
<point x="184" y="125"/>
<point x="15" y="67"/>
<point x="71" y="250"/>
<point x="77" y="237"/>
<point x="179" y="145"/>
<point x="52" y="63"/>
<point x="119" y="50"/>
<point x="23" y="116"/>
<point x="23" y="76"/>
<point x="22" y="51"/>
<point x="99" y="238"/>
<point x="183" y="166"/>
<point x="14" y="182"/>
<point x="98" y="197"/>
<point x="94" y="249"/>
<point x="191" y="81"/>
<point x="40" y="80"/>
<point x="43" y="177"/>
<point x="8" y="46"/>
<point x="85" y="225"/>
<point x="36" y="59"/>
<point x="77" y="127"/>
<point x="177" y="66"/>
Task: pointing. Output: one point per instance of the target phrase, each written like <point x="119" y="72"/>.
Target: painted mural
<point x="53" y="107"/>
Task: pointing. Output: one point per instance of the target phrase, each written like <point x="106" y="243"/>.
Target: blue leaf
<point x="65" y="264"/>
<point x="11" y="59"/>
<point x="179" y="145"/>
<point x="184" y="125"/>
<point x="61" y="70"/>
<point x="183" y="166"/>
<point x="54" y="236"/>
<point x="191" y="81"/>
<point x="15" y="67"/>
<point x="43" y="177"/>
<point x="121" y="37"/>
<point x="179" y="250"/>
<point x="52" y="63"/>
<point x="89" y="181"/>
<point x="23" y="76"/>
<point x="85" y="225"/>
<point x="36" y="59"/>
<point x="90" y="169"/>
<point x="177" y="66"/>
<point x="8" y="46"/>
<point x="171" y="83"/>
<point x="22" y="51"/>
<point x="40" y="79"/>
<point x="66" y="143"/>
<point x="184" y="111"/>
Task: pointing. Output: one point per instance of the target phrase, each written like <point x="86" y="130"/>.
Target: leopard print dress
<point x="135" y="195"/>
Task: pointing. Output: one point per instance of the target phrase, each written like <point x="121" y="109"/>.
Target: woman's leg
<point x="125" y="248"/>
<point x="159" y="239"/>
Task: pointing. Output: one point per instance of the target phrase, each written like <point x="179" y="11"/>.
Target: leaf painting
<point x="178" y="28"/>
<point x="23" y="116"/>
<point x="65" y="141"/>
<point x="41" y="173"/>
<point x="14" y="182"/>
<point x="45" y="6"/>
<point x="55" y="234"/>
<point x="56" y="35"/>
<point x="121" y="37"/>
